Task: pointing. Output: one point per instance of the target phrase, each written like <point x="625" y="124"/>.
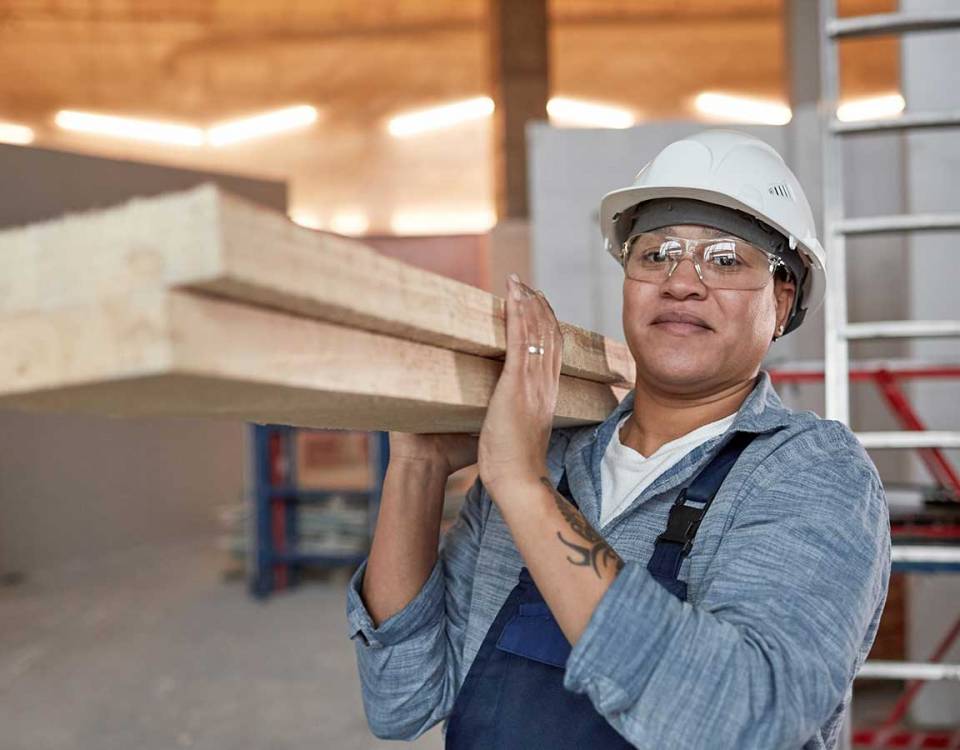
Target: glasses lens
<point x="650" y="256"/>
<point x="734" y="264"/>
<point x="727" y="263"/>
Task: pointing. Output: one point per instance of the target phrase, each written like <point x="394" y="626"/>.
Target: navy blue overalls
<point x="513" y="695"/>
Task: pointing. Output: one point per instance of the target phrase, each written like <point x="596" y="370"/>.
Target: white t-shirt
<point x="625" y="473"/>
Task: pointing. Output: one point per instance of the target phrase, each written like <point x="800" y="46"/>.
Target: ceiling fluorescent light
<point x="438" y="118"/>
<point x="575" y="113"/>
<point x="426" y="222"/>
<point x="130" y="128"/>
<point x="19" y="135"/>
<point x="743" y="109"/>
<point x="351" y="223"/>
<point x="306" y="219"/>
<point x="871" y="108"/>
<point x="258" y="126"/>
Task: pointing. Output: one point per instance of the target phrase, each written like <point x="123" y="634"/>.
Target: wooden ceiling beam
<point x="520" y="81"/>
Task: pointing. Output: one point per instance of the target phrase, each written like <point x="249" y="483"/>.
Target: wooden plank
<point x="180" y="353"/>
<point x="206" y="240"/>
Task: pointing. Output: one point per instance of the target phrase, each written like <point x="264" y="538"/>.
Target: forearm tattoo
<point x="596" y="552"/>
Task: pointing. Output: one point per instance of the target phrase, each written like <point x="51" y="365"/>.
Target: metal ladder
<point x="838" y="330"/>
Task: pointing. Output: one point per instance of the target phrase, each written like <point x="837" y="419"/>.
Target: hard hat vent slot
<point x="783" y="190"/>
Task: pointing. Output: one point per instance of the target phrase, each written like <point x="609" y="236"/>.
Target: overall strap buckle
<point x="682" y="523"/>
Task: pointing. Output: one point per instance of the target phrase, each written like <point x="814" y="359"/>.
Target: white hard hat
<point x="732" y="169"/>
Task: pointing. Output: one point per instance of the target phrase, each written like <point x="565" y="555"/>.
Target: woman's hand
<point x="516" y="430"/>
<point x="450" y="452"/>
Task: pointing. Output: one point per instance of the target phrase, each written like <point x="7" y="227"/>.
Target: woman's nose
<point x="684" y="280"/>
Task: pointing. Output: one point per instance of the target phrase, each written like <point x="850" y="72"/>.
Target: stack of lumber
<point x="200" y="304"/>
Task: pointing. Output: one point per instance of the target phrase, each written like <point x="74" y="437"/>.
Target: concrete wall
<point x="41" y="183"/>
<point x="76" y="487"/>
<point x="73" y="487"/>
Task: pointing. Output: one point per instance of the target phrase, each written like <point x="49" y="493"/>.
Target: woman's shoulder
<point x="819" y="432"/>
<point x="810" y="442"/>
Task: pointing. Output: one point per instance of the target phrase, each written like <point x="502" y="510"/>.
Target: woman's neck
<point x="660" y="417"/>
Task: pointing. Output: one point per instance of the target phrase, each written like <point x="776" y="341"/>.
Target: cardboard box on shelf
<point x="334" y="460"/>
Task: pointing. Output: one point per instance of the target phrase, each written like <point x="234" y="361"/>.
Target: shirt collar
<point x="762" y="411"/>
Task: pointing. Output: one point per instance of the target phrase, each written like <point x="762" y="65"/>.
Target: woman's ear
<point x="784" y="291"/>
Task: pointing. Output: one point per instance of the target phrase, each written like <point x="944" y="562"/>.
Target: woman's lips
<point x="680" y="329"/>
<point x="680" y="323"/>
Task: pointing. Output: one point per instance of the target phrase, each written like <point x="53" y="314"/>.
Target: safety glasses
<point x="721" y="263"/>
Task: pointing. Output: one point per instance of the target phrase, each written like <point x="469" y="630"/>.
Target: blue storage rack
<point x="275" y="560"/>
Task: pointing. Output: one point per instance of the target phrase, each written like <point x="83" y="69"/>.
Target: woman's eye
<point x="727" y="260"/>
<point x="722" y="257"/>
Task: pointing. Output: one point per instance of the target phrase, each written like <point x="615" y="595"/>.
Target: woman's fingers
<point x="540" y="328"/>
<point x="519" y="325"/>
<point x="542" y="309"/>
<point x="553" y="315"/>
<point x="531" y="311"/>
<point x="547" y="323"/>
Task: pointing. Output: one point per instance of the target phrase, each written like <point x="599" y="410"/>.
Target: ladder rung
<point x="913" y="120"/>
<point x="905" y="670"/>
<point x="924" y="558"/>
<point x="901" y="329"/>
<point x="924" y="553"/>
<point x="891" y="23"/>
<point x="910" y="439"/>
<point x="897" y="223"/>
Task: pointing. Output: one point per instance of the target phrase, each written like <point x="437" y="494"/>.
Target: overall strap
<point x="691" y="504"/>
<point x="686" y="513"/>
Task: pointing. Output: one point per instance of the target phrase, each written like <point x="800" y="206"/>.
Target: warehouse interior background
<point x="444" y="134"/>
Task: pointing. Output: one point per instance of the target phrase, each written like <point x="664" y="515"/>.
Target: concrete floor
<point x="152" y="648"/>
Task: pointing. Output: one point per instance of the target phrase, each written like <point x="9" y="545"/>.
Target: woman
<point x="705" y="569"/>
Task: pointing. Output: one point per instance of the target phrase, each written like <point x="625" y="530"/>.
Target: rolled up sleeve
<point x="423" y="610"/>
<point x="410" y="666"/>
<point x="788" y="608"/>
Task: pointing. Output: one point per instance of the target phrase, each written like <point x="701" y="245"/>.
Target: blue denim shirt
<point x="786" y="583"/>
